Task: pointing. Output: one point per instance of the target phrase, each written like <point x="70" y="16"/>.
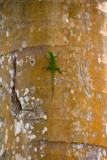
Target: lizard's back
<point x="53" y="62"/>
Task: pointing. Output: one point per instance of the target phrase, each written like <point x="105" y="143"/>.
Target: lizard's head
<point x="50" y="53"/>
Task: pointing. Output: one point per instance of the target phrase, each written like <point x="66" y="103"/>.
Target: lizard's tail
<point x="52" y="92"/>
<point x="52" y="87"/>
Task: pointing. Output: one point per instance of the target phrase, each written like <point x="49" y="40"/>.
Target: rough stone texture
<point x="74" y="125"/>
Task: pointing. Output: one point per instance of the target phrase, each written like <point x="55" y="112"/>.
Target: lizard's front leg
<point x="47" y="57"/>
<point x="57" y="54"/>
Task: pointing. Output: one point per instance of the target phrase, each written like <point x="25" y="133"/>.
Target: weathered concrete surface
<point x="74" y="125"/>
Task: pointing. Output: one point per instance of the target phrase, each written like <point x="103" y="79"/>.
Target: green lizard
<point x="53" y="67"/>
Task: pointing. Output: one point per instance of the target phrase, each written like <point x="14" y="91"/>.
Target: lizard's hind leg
<point x="57" y="68"/>
<point x="48" y="67"/>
